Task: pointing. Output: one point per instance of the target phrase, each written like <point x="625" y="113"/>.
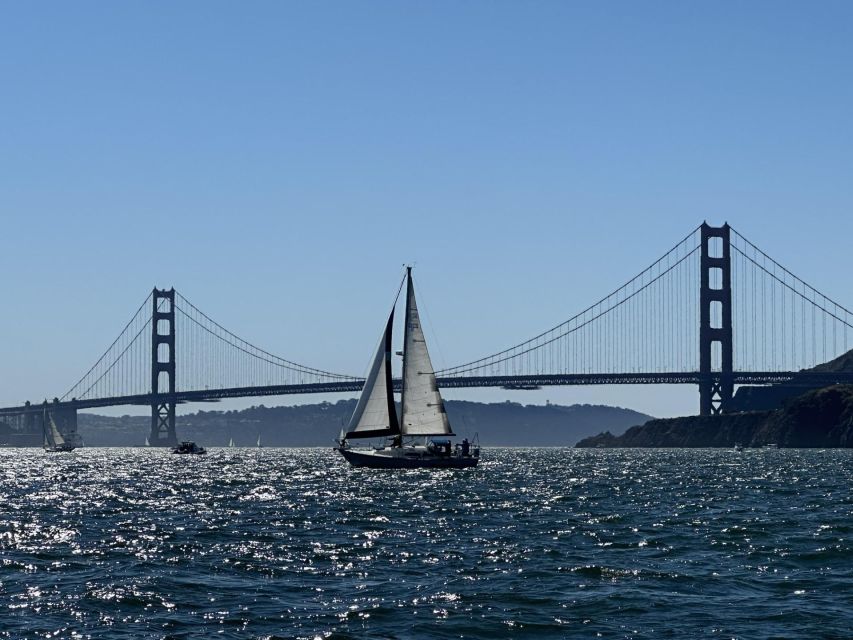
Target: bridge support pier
<point x="716" y="386"/>
<point x="163" y="369"/>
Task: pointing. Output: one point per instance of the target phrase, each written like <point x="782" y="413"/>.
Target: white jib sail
<point x="375" y="414"/>
<point x="57" y="438"/>
<point x="423" y="408"/>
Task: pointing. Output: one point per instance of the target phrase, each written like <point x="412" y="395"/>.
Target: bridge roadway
<point x="806" y="379"/>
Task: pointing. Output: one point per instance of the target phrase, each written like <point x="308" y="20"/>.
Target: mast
<point x="406" y="320"/>
<point x="44" y="428"/>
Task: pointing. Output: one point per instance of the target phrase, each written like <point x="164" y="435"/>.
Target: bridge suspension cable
<point x="650" y="323"/>
<point x="211" y="356"/>
<point x="124" y="368"/>
<point x="208" y="356"/>
<point x="780" y="322"/>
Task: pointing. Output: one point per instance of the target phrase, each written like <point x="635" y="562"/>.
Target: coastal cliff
<point x="819" y="418"/>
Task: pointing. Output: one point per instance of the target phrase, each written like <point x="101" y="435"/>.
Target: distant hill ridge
<point x="498" y="424"/>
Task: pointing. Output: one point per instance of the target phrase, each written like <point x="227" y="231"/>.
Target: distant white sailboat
<point x="259" y="441"/>
<point x="423" y="414"/>
<point x="53" y="440"/>
<point x="231" y="442"/>
<point x="147" y="444"/>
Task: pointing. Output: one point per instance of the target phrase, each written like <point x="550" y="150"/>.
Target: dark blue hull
<point x="375" y="460"/>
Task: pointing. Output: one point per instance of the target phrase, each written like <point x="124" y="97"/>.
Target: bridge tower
<point x="716" y="385"/>
<point x="163" y="369"/>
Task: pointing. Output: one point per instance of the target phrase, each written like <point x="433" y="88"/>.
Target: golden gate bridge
<point x="714" y="311"/>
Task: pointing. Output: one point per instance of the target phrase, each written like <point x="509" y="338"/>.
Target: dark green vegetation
<point x="787" y="415"/>
<point x="499" y="424"/>
<point x="818" y="418"/>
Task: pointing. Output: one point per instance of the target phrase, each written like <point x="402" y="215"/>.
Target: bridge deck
<point x="509" y="382"/>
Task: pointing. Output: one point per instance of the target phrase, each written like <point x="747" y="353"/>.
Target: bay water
<point x="294" y="543"/>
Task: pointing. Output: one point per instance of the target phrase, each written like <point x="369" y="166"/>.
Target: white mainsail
<point x="423" y="408"/>
<point x="375" y="414"/>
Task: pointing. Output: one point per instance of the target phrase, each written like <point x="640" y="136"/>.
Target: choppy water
<point x="280" y="543"/>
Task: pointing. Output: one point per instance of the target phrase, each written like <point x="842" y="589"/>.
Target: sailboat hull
<point x="60" y="448"/>
<point x="405" y="458"/>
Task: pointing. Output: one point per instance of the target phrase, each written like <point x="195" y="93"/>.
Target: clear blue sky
<point x="277" y="163"/>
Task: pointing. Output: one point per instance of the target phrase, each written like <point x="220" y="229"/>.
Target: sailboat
<point x="231" y="443"/>
<point x="53" y="440"/>
<point x="421" y="436"/>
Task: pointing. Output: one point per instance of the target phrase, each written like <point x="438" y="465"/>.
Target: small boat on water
<point x="420" y="438"/>
<point x="738" y="446"/>
<point x="54" y="442"/>
<point x="231" y="443"/>
<point x="189" y="448"/>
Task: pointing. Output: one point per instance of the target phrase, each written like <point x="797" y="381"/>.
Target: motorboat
<point x="189" y="448"/>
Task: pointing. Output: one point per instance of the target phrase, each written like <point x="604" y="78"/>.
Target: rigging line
<point x="393" y="306"/>
<point x="847" y="311"/>
<point x="457" y="370"/>
<point x="577" y="315"/>
<point x="812" y="302"/>
<point x="295" y="369"/>
<point x="302" y="368"/>
<point x="425" y="308"/>
<point x="400" y="288"/>
<point x="94" y="366"/>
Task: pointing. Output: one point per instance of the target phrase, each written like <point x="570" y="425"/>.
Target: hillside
<point x="819" y="418"/>
<point x="498" y="424"/>
<point x="773" y="396"/>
